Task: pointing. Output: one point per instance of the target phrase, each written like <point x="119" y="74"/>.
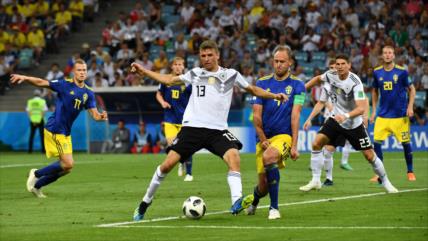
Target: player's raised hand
<point x="137" y="68"/>
<point x="307" y="125"/>
<point x="281" y="97"/>
<point x="17" y="78"/>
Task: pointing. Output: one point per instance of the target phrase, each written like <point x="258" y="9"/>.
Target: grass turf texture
<point x="106" y="189"/>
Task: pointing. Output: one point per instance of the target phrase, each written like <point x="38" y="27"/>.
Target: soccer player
<point x="73" y="96"/>
<point x="397" y="95"/>
<point x="346" y="92"/>
<point x="205" y="122"/>
<point x="329" y="150"/>
<point x="277" y="128"/>
<point x="174" y="100"/>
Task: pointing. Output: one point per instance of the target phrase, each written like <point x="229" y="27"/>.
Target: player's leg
<point x="42" y="139"/>
<point x="171" y="132"/>
<point x="32" y="133"/>
<point x="188" y="164"/>
<point x="402" y="133"/>
<point x="261" y="189"/>
<point x="328" y="152"/>
<point x="161" y="172"/>
<point x="360" y="140"/>
<point x="317" y="160"/>
<point x="188" y="142"/>
<point x="380" y="133"/>
<point x="344" y="164"/>
<point x="270" y="159"/>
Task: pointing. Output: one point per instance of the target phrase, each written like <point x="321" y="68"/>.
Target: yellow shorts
<point x="57" y="144"/>
<point x="400" y="127"/>
<point x="282" y="143"/>
<point x="171" y="130"/>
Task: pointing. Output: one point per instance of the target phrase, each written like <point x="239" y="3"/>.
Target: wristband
<point x="347" y="115"/>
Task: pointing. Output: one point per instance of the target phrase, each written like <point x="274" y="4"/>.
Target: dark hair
<point x="343" y="56"/>
<point x="208" y="44"/>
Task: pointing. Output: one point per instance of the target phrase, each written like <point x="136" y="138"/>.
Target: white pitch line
<point x="112" y="225"/>
<point x="264" y="228"/>
<point x="105" y="161"/>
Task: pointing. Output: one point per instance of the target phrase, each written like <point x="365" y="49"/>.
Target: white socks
<point x="154" y="184"/>
<point x="328" y="164"/>
<point x="235" y="185"/>
<point x="345" y="153"/>
<point x="379" y="169"/>
<point x="316" y="165"/>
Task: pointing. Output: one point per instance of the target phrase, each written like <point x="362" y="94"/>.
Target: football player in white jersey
<point x="346" y="91"/>
<point x="205" y="122"/>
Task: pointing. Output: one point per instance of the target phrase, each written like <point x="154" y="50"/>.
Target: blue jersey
<point x="71" y="100"/>
<point x="392" y="87"/>
<point x="276" y="116"/>
<point x="178" y="97"/>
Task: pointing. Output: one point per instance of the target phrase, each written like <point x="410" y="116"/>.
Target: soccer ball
<point x="194" y="207"/>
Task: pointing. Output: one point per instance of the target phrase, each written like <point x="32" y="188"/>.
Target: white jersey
<point x="209" y="103"/>
<point x="343" y="94"/>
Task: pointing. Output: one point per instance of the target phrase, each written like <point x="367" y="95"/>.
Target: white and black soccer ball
<point x="194" y="207"/>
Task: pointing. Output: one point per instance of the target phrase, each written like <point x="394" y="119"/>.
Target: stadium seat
<point x="170" y="19"/>
<point x="420" y="98"/>
<point x="25" y="58"/>
<point x="168" y="9"/>
<point x="190" y="61"/>
<point x="308" y="68"/>
<point x="319" y="56"/>
<point x="320" y="64"/>
<point x="301" y="57"/>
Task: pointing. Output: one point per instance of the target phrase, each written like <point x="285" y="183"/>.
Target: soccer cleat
<point x="390" y="188"/>
<point x="188" y="178"/>
<point x="328" y="182"/>
<point x="241" y="204"/>
<point x="251" y="210"/>
<point x="311" y="185"/>
<point x="346" y="167"/>
<point x="411" y="176"/>
<point x="180" y="170"/>
<point x="32" y="179"/>
<point x="140" y="211"/>
<point x="274" y="214"/>
<point x="37" y="192"/>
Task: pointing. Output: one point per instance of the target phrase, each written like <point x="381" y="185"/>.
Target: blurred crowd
<point x="153" y="32"/>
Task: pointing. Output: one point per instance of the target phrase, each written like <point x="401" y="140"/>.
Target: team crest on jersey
<point x="211" y="80"/>
<point x="222" y="76"/>
<point x="85" y="98"/>
<point x="183" y="87"/>
<point x="395" y="78"/>
<point x="338" y="91"/>
<point x="288" y="90"/>
<point x="72" y="92"/>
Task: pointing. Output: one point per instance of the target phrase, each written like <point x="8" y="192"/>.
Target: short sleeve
<point x="324" y="77"/>
<point x="162" y="88"/>
<point x="188" y="77"/>
<point x="299" y="94"/>
<point x="406" y="80"/>
<point x="375" y="83"/>
<point x="90" y="103"/>
<point x="324" y="92"/>
<point x="241" y="81"/>
<point x="56" y="85"/>
<point x="258" y="100"/>
<point x="359" y="92"/>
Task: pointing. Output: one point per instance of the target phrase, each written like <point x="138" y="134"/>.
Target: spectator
<point x="50" y="98"/>
<point x="36" y="108"/>
<point x="54" y="73"/>
<point x="76" y="8"/>
<point x="120" y="138"/>
<point x="310" y="41"/>
<point x="142" y="140"/>
<point x="4" y="74"/>
<point x="161" y="63"/>
<point x="161" y="142"/>
<point x="100" y="81"/>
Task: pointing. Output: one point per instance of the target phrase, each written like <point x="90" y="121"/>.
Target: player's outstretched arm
<point x="166" y="79"/>
<point x="315" y="111"/>
<point x="314" y="81"/>
<point x="259" y="92"/>
<point x="412" y="93"/>
<point x="18" y="79"/>
<point x="97" y="115"/>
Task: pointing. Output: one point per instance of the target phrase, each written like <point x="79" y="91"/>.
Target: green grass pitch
<point x="105" y="189"/>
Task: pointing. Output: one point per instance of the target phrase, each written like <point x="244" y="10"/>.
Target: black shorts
<point x="358" y="137"/>
<point x="192" y="139"/>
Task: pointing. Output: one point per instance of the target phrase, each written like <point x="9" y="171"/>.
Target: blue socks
<point x="48" y="174"/>
<point x="378" y="150"/>
<point x="188" y="164"/>
<point x="272" y="175"/>
<point x="408" y="156"/>
<point x="53" y="168"/>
